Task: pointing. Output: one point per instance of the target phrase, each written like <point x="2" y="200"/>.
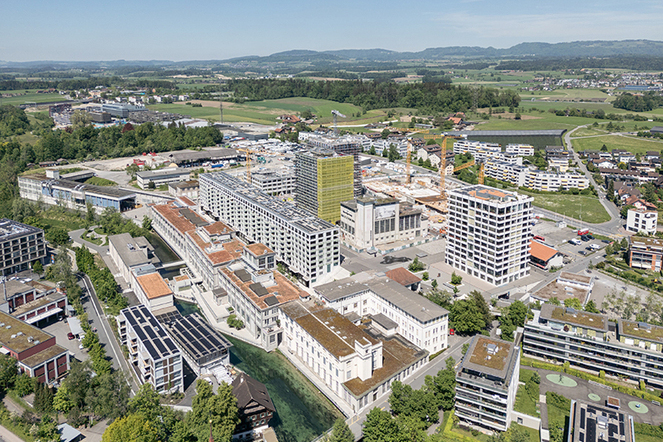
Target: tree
<point x="591" y="307"/>
<point x="371" y="151"/>
<point x="434" y="283"/>
<point x="425" y="276"/>
<point x="37" y="267"/>
<point x="147" y="223"/>
<point x="416" y="265"/>
<point x="482" y="306"/>
<point x="43" y="402"/>
<point x="57" y="236"/>
<point x="61" y="400"/>
<point x="624" y="210"/>
<point x="133" y="427"/>
<point x="604" y="148"/>
<point x="393" y="153"/>
<point x="466" y="347"/>
<point x="385" y="133"/>
<point x="573" y="303"/>
<point x="8" y="372"/>
<point x="456" y="279"/>
<point x="466" y="318"/>
<point x="90" y="214"/>
<point x="220" y="409"/>
<point x="379" y="426"/>
<point x="341" y="432"/>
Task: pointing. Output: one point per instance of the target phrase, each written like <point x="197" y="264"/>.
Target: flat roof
<point x="583" y="279"/>
<point x="218" y="252"/>
<point x="383" y="321"/>
<point x="44" y="355"/>
<point x="39" y="302"/>
<point x="161" y="173"/>
<point x="10" y="229"/>
<point x="592" y="423"/>
<point x="328" y="327"/>
<point x="151" y="334"/>
<point x="282" y="290"/>
<point x="185" y="184"/>
<point x="643" y="241"/>
<point x="641" y="330"/>
<point x="561" y="291"/>
<point x="181" y="218"/>
<point x="153" y="285"/>
<point x="105" y="191"/>
<point x="412" y="303"/>
<point x="217" y="228"/>
<point x="489" y="356"/>
<point x="259" y="249"/>
<point x="342" y="288"/>
<point x="197" y="338"/>
<point x="14" y="334"/>
<point x="576" y="317"/>
<point x="286" y="211"/>
<point x="132" y="251"/>
<point x="199" y="155"/>
<point x="15" y="287"/>
<point x="488" y="193"/>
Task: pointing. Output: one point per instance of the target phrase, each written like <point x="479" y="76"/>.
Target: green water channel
<point x="302" y="412"/>
<point x="187" y="308"/>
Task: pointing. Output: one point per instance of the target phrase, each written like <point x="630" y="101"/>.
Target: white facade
<point x="478" y="149"/>
<point x="489" y="233"/>
<point x="420" y="321"/>
<point x="641" y="220"/>
<point x="523" y="150"/>
<point x="367" y="222"/>
<point x="553" y="181"/>
<point x="275" y="182"/>
<point x="308" y="245"/>
<point x="503" y="171"/>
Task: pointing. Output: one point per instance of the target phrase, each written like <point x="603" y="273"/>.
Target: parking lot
<point x="60" y="329"/>
<point x="559" y="237"/>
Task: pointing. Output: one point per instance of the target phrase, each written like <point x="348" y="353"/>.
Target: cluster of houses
<point x="621" y="165"/>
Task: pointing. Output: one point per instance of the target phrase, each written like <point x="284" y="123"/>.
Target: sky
<point x="92" y="30"/>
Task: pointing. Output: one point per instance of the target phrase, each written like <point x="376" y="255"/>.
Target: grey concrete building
<point x="20" y="246"/>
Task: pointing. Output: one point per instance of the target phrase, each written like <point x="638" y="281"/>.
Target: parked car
<point x="595" y="246"/>
<point x="575" y="242"/>
<point x="583" y="253"/>
<point x="590" y="236"/>
<point x="70" y="336"/>
<point x="584" y="238"/>
<point x="540" y="238"/>
<point x="606" y="241"/>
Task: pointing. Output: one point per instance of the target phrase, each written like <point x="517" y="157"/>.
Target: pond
<point x="302" y="412"/>
<point x="187" y="308"/>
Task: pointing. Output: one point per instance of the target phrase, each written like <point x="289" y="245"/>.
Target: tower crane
<point x="336" y="114"/>
<point x="407" y="163"/>
<point x="481" y="174"/>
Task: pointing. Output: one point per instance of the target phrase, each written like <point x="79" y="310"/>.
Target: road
<point x="98" y="319"/>
<point x="416" y="381"/>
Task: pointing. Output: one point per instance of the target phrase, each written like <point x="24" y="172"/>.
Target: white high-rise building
<point x="489" y="233"/>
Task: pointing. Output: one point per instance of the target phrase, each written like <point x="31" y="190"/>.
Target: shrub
<point x="233" y="322"/>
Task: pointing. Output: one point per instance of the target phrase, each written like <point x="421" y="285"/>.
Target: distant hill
<point x="576" y="49"/>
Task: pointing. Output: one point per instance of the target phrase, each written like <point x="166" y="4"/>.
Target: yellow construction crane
<point x="481" y="174"/>
<point x="464" y="166"/>
<point x="248" y="153"/>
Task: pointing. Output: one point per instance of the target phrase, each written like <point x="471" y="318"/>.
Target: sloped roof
<point x="403" y="276"/>
<point x="247" y="389"/>
<point x="542" y="251"/>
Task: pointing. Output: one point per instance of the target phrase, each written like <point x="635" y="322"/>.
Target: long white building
<point x="535" y="179"/>
<point x="523" y="150"/>
<point x="489" y="233"/>
<point x="417" y="319"/>
<point x="307" y="244"/>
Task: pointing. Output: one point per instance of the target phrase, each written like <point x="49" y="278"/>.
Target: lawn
<point x="98" y="181"/>
<point x="581" y="207"/>
<point x="559" y="409"/>
<point x="31" y="97"/>
<point x="527" y="403"/>
<point x="631" y="144"/>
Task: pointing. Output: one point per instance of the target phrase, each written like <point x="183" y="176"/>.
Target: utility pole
<point x="221" y="109"/>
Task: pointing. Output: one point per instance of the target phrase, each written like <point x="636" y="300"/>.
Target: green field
<point x="98" y="181"/>
<point x="631" y="144"/>
<point x="31" y="97"/>
<point x="580" y="207"/>
<point x="524" y="402"/>
<point x="266" y="112"/>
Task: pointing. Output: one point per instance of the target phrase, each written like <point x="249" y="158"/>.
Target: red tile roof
<point x="403" y="276"/>
<point x="542" y="251"/>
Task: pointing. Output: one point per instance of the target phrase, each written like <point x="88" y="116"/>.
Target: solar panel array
<point x="198" y="339"/>
<point x="149" y="332"/>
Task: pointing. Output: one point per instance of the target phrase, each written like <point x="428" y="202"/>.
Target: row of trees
<point x="102" y="279"/>
<point x="433" y="97"/>
<point x="638" y="103"/>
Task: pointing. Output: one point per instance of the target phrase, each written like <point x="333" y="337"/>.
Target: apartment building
<point x="152" y="353"/>
<point x="324" y="180"/>
<point x="489" y="233"/>
<point x="417" y="319"/>
<point x="478" y="149"/>
<point x="128" y="252"/>
<point x="35" y="351"/>
<point x="308" y="245"/>
<point x="256" y="290"/>
<point x="554" y="181"/>
<point x="205" y="246"/>
<point x="49" y="189"/>
<point x="356" y="364"/>
<point x="591" y="422"/>
<point x="188" y="189"/>
<point x="503" y="171"/>
<point x="645" y="253"/>
<point x="487" y="382"/>
<point x="522" y="150"/>
<point x="367" y="222"/>
<point x="20" y="246"/>
<point x="642" y="220"/>
<point x="275" y="183"/>
<point x="588" y="341"/>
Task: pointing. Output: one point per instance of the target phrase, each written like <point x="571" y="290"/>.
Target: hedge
<point x="648" y="430"/>
<point x="590" y="377"/>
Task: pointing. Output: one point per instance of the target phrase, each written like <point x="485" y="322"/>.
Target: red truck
<point x="583" y="232"/>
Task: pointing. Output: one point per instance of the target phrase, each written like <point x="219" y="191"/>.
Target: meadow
<point x="29" y="96"/>
<point x="632" y="144"/>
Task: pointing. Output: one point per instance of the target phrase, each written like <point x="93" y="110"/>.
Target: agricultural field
<point x="29" y="96"/>
<point x="266" y="112"/>
<point x="581" y="207"/>
<point x="632" y="144"/>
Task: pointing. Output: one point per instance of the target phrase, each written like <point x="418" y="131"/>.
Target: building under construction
<point x="343" y="145"/>
<point x="325" y="178"/>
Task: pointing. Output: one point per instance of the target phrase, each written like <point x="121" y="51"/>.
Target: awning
<point x="4" y="351"/>
<point x="44" y="315"/>
<point x="75" y="326"/>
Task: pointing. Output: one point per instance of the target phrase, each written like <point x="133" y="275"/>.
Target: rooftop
<point x="259" y="249"/>
<point x="197" y="338"/>
<point x="582" y="279"/>
<point x="181" y="218"/>
<point x="280" y="292"/>
<point x="217" y="228"/>
<point x="150" y="333"/>
<point x="44" y="355"/>
<point x="641" y="330"/>
<point x="105" y="191"/>
<point x="218" y="252"/>
<point x="336" y="290"/>
<point x="487" y="193"/>
<point x="199" y="155"/>
<point x="154" y="286"/>
<point x="184" y="184"/>
<point x="403" y="276"/>
<point x="14" y="334"/>
<point x="246" y="390"/>
<point x="412" y="303"/>
<point x="10" y="229"/>
<point x="575" y="317"/>
<point x="492" y="357"/>
<point x="160" y="173"/>
<point x="645" y="242"/>
<point x="132" y="251"/>
<point x="286" y="211"/>
<point x="39" y="302"/>
<point x="591" y="423"/>
<point x="561" y="292"/>
<point x="542" y="251"/>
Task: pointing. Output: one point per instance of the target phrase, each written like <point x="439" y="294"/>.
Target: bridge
<point x="169" y="265"/>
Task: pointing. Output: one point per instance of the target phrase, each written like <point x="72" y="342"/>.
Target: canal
<point x="302" y="412"/>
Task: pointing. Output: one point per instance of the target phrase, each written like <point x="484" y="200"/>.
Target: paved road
<point x="98" y="319"/>
<point x="77" y="236"/>
<point x="8" y="436"/>
<point x="416" y="381"/>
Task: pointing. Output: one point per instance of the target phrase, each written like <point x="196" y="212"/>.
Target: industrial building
<point x="50" y="189"/>
<point x="155" y="178"/>
<point x="308" y="245"/>
<point x="589" y="341"/>
<point x="417" y="319"/>
<point x="152" y="353"/>
<point x="20" y="245"/>
<point x="324" y="180"/>
<point x="358" y="365"/>
<point x="487" y="382"/>
<point x="196" y="158"/>
<point x="489" y="233"/>
<point x="368" y="222"/>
